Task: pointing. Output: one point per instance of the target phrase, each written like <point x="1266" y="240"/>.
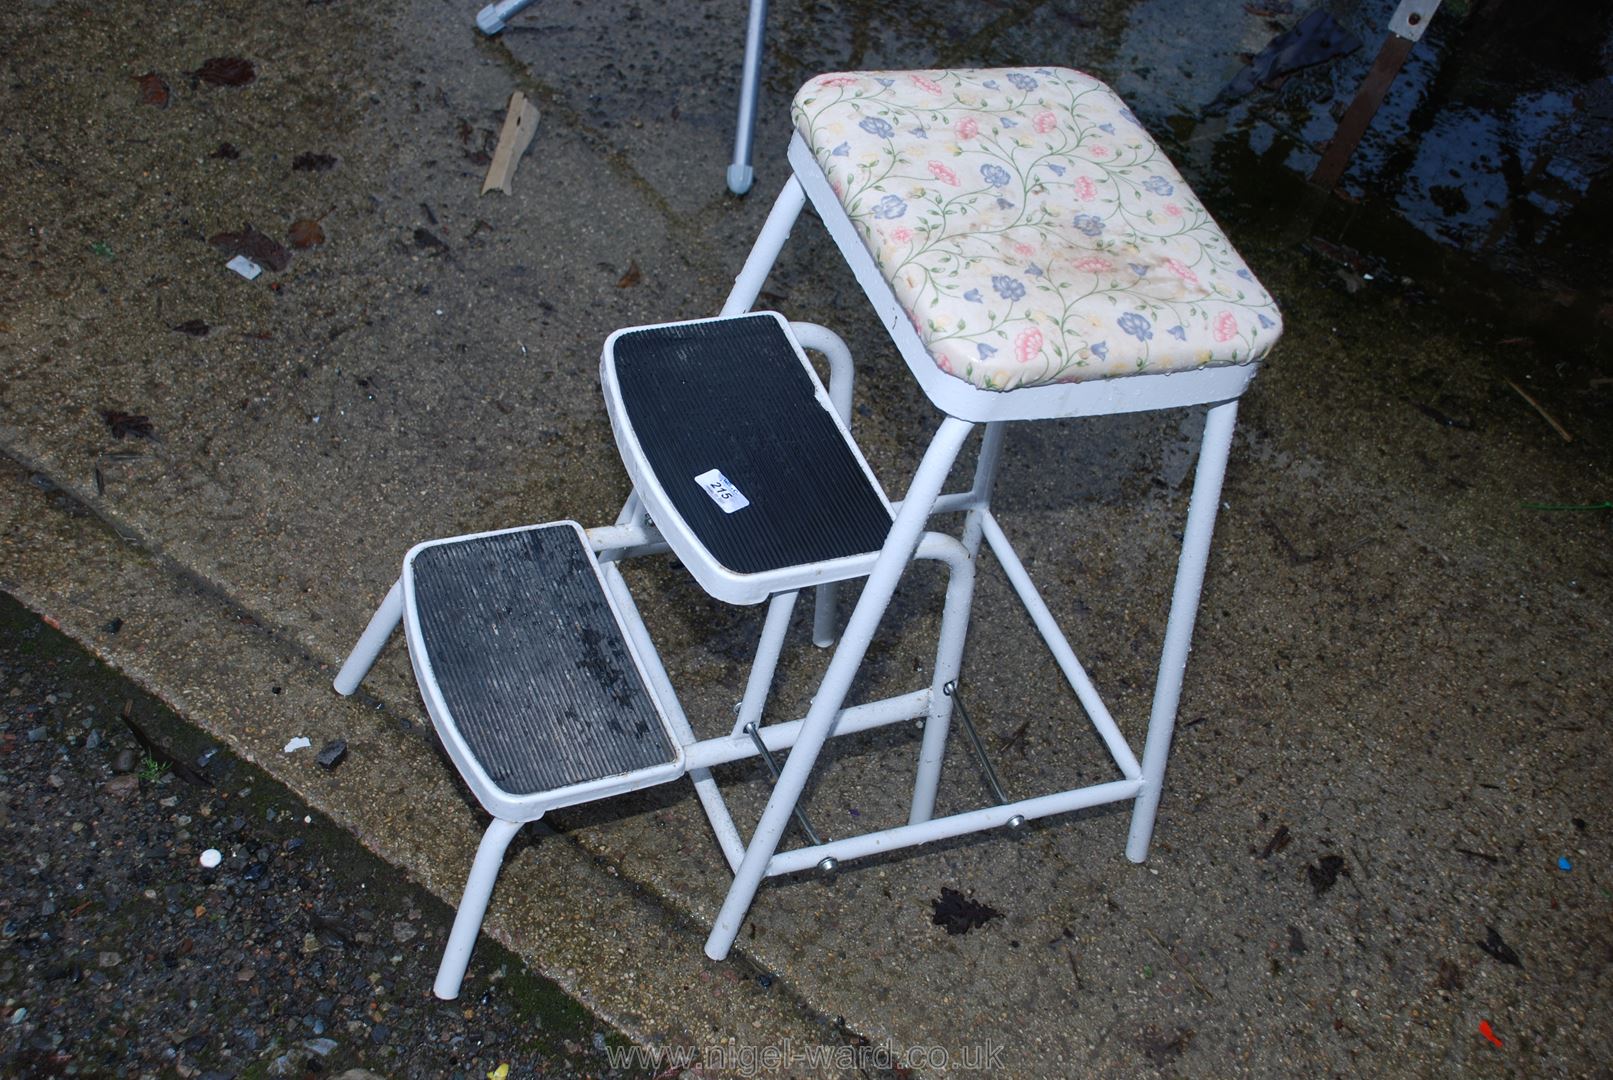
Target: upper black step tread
<point x="531" y="661"/>
<point x="733" y="395"/>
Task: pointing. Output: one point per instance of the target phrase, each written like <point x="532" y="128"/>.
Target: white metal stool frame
<point x="964" y="406"/>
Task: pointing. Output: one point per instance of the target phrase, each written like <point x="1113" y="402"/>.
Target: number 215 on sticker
<point x="722" y="491"/>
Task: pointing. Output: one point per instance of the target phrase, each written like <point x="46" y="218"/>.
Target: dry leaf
<point x="254" y="245"/>
<point x="226" y="71"/>
<point x="311" y="162"/>
<point x="305" y="233"/>
<point x="633" y="276"/>
<point x="127" y="425"/>
<point x="153" y="90"/>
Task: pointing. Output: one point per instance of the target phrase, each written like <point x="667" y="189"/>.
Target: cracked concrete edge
<point x="631" y="958"/>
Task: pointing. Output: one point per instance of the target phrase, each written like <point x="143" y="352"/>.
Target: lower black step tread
<point x="532" y="662"/>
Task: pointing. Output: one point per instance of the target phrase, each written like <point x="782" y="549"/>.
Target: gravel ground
<point x="300" y="954"/>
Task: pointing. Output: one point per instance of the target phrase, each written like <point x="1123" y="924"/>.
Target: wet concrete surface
<point x="1394" y="708"/>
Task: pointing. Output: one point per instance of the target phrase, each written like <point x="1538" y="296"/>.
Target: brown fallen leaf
<point x="312" y="162"/>
<point x="305" y="233"/>
<point x="153" y="89"/>
<point x="226" y="71"/>
<point x="633" y="276"/>
<point x="254" y="245"/>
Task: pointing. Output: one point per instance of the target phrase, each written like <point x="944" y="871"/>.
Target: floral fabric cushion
<point x="1030" y="226"/>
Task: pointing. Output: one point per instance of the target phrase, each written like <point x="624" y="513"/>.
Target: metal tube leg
<point x="1206" y="498"/>
<point x="372" y="641"/>
<point x="948" y="663"/>
<point x="876" y="594"/>
<point x="954" y="623"/>
<point x="774" y="627"/>
<point x="491" y="19"/>
<point x="991" y="453"/>
<point x="472" y="906"/>
<point x="826" y="599"/>
<point x="764" y="253"/>
<point x="740" y="173"/>
<point x="705" y="785"/>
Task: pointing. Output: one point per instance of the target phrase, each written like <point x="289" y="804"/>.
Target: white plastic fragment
<point x="245" y="267"/>
<point x="211" y="858"/>
<point x="299" y="743"/>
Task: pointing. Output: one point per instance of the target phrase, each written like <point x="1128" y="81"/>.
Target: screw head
<point x="829" y="864"/>
<point x="1016" y="822"/>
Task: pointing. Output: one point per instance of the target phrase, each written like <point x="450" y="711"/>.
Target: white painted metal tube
<point x="971" y="821"/>
<point x="775" y="231"/>
<point x="473" y="906"/>
<point x="950" y="503"/>
<point x="893" y="710"/>
<point x="740" y="173"/>
<point x="492" y="18"/>
<point x="779" y="610"/>
<point x="1059" y="646"/>
<point x="372" y="641"/>
<point x="842" y="371"/>
<point x="990" y="460"/>
<point x="612" y="543"/>
<point x="705" y="786"/>
<point x="948" y="663"/>
<point x="632" y="511"/>
<point x="1212" y="467"/>
<point x="819" y="723"/>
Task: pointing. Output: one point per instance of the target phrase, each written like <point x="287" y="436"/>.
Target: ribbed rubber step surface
<point x="732" y="395"/>
<point x="531" y="661"/>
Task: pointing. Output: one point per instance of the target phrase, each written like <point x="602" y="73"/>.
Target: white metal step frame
<point x="633" y="536"/>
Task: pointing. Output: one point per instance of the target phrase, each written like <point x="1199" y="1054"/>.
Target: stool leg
<point x="764" y="253"/>
<point x="991" y="453"/>
<point x="740" y="172"/>
<point x="1201" y="510"/>
<point x="948" y="663"/>
<point x="819" y="723"/>
<point x="779" y="610"/>
<point x="473" y="906"/>
<point x="842" y="372"/>
<point x="954" y="628"/>
<point x="372" y="641"/>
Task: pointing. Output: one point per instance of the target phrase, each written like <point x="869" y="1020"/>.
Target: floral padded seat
<point x="1030" y="226"/>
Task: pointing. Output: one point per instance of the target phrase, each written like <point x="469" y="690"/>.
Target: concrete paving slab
<point x="1395" y="699"/>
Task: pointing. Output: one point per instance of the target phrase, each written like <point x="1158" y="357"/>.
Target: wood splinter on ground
<point x="1541" y="409"/>
<point x="520" y="124"/>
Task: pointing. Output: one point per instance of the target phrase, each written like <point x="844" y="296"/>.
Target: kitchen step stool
<point x="533" y="663"/>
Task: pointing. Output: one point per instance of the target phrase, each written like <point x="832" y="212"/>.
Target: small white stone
<point x="211" y="858"/>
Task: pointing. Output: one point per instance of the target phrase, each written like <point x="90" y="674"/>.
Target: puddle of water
<point x="1495" y="139"/>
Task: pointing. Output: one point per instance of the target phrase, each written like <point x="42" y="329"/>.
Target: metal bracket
<point x="952" y="691"/>
<point x="828" y="863"/>
<point x="1412" y="17"/>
